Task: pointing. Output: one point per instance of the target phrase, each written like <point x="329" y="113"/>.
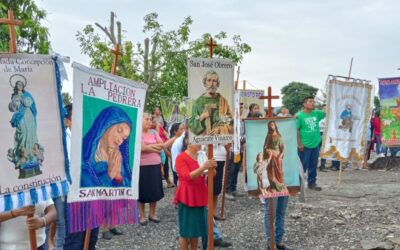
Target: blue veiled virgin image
<point x="95" y="174"/>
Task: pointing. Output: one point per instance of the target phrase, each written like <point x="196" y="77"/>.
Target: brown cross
<point x="211" y="46"/>
<point x="116" y="53"/>
<point x="11" y="23"/>
<point x="269" y="97"/>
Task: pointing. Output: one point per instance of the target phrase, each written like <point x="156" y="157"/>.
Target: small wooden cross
<point x="11" y="23"/>
<point x="116" y="53"/>
<point x="211" y="46"/>
<point x="237" y="78"/>
<point x="269" y="97"/>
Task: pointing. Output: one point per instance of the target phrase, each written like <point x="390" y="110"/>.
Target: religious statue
<point x="211" y="114"/>
<point x="27" y="154"/>
<point x="105" y="150"/>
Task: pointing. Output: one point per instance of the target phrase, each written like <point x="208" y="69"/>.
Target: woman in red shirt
<point x="191" y="196"/>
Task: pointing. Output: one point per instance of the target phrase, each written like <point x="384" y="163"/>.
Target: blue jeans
<point x="76" y="241"/>
<point x="60" y="225"/>
<point x="217" y="236"/>
<point x="393" y="150"/>
<point x="280" y="205"/>
<point x="335" y="164"/>
<point x="233" y="172"/>
<point x="378" y="147"/>
<point x="309" y="159"/>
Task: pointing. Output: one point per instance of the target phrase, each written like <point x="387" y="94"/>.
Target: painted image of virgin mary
<point x="105" y="150"/>
<point x="27" y="154"/>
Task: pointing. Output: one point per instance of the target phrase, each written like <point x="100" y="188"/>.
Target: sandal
<point x="143" y="222"/>
<point x="155" y="219"/>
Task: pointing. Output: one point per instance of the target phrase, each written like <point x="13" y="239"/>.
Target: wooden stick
<point x="271" y="225"/>
<point x="87" y="239"/>
<point x="228" y="149"/>
<point x="32" y="236"/>
<point x="210" y="181"/>
<point x="340" y="173"/>
<point x="116" y="53"/>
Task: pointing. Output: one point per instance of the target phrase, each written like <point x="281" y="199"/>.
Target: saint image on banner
<point x="273" y="153"/>
<point x="211" y="114"/>
<point x="27" y="154"/>
<point x="105" y="150"/>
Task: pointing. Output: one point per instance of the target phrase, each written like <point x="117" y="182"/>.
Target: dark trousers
<point x="233" y="172"/>
<point x="309" y="159"/>
<point x="76" y="241"/>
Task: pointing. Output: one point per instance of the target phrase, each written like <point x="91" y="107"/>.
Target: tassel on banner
<point x="54" y="190"/>
<point x="21" y="199"/>
<point x="91" y="214"/>
<point x="44" y="193"/>
<point x="34" y="196"/>
<point x="8" y="203"/>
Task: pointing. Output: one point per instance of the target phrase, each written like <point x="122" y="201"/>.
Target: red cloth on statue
<point x="191" y="192"/>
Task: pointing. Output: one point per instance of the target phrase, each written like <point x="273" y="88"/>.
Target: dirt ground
<point x="362" y="212"/>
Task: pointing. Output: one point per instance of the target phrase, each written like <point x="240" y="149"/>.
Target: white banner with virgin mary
<point x="105" y="153"/>
<point x="348" y="114"/>
<point x="32" y="149"/>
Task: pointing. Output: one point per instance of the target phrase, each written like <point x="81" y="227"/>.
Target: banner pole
<point x="11" y="22"/>
<point x="116" y="52"/>
<point x="269" y="97"/>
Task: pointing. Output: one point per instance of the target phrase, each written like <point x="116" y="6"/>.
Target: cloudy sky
<point x="291" y="40"/>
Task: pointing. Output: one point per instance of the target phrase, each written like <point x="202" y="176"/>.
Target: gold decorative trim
<point x="332" y="150"/>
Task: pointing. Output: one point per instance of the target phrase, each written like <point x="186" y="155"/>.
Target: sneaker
<point x="107" y="235"/>
<point x="322" y="169"/>
<point x="381" y="155"/>
<point x="230" y="196"/>
<point x="116" y="231"/>
<point x="222" y="243"/>
<point x="314" y="187"/>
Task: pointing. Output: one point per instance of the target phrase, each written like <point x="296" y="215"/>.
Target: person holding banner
<point x="308" y="139"/>
<point x="211" y="114"/>
<point x="191" y="196"/>
<point x="14" y="226"/>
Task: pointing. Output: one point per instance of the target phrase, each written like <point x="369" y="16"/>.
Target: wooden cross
<point x="237" y="78"/>
<point x="116" y="53"/>
<point x="211" y="46"/>
<point x="269" y="97"/>
<point x="11" y="23"/>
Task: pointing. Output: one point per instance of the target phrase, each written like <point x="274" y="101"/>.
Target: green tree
<point x="66" y="98"/>
<point x="160" y="61"/>
<point x="377" y="103"/>
<point x="32" y="37"/>
<point x="294" y="93"/>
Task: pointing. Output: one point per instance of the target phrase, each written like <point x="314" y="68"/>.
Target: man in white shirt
<point x="14" y="225"/>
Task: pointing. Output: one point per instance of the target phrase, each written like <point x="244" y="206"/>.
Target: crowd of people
<point x="166" y="148"/>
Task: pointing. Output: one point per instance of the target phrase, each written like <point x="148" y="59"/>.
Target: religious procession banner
<point x="348" y="114"/>
<point x="272" y="163"/>
<point x="211" y="91"/>
<point x="32" y="149"/>
<point x="389" y="93"/>
<point x="250" y="98"/>
<point x="107" y="125"/>
<point x="237" y="133"/>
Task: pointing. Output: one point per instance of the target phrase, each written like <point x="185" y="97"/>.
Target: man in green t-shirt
<point x="308" y="139"/>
